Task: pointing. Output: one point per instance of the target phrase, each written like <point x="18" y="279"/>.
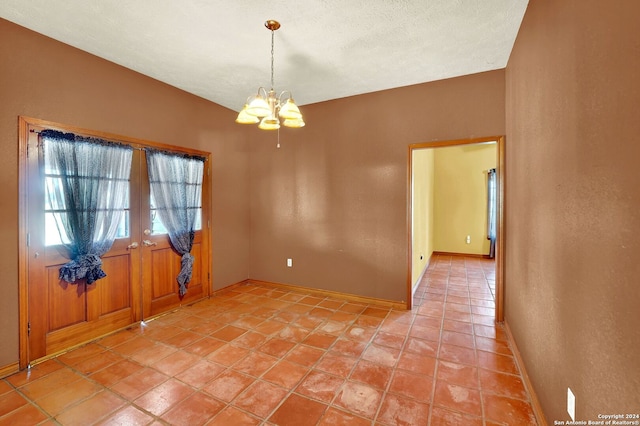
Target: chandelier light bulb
<point x="294" y="123"/>
<point x="290" y="110"/>
<point x="245" y="118"/>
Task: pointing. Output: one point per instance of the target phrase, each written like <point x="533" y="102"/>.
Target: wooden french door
<point x="141" y="266"/>
<point x="161" y="263"/>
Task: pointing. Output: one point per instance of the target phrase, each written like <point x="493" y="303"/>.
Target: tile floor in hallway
<point x="257" y="355"/>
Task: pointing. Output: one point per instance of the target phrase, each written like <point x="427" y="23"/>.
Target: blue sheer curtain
<point x="492" y="207"/>
<point x="87" y="189"/>
<point x="176" y="187"/>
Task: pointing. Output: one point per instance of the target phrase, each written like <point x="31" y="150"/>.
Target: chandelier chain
<point x="272" y="34"/>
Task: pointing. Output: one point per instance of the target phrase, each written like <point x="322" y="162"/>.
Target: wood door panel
<point x="163" y="281"/>
<point x="79" y="313"/>
<point x="195" y="289"/>
<point x="162" y="292"/>
<point x="196" y="276"/>
<point x="115" y="289"/>
<point x="67" y="304"/>
<point x="76" y="334"/>
<point x="71" y="304"/>
<point x="194" y="292"/>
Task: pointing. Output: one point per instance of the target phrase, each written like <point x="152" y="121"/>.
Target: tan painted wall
<point x="573" y="202"/>
<point x="334" y="197"/>
<point x="423" y="211"/>
<point x="460" y="195"/>
<point x="46" y="79"/>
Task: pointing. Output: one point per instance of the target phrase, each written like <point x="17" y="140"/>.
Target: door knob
<point x="133" y="245"/>
<point x="148" y="243"/>
<point x="147" y="232"/>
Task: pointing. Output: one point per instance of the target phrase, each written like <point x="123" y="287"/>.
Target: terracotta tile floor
<point x="255" y="355"/>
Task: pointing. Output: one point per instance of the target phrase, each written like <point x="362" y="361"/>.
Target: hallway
<point x="256" y="355"/>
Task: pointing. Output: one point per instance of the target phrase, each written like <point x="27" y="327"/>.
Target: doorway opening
<point x="419" y="257"/>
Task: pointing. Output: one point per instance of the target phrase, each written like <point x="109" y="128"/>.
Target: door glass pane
<point x="55" y="208"/>
<point x="157" y="228"/>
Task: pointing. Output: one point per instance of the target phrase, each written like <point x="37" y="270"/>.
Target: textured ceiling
<point x="325" y="49"/>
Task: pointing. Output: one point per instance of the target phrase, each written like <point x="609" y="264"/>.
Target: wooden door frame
<point x="24" y="124"/>
<point x="500" y="170"/>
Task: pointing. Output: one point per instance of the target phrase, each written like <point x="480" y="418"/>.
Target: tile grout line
<point x="437" y="363"/>
<point x="482" y="412"/>
<point x="385" y="392"/>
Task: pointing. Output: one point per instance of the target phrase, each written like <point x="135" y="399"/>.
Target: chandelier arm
<point x="282" y="94"/>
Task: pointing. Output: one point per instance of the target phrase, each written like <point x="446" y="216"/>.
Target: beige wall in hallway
<point x="423" y="209"/>
<point x="460" y="194"/>
<point x="573" y="202"/>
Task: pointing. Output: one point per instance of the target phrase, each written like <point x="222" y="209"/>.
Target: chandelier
<point x="267" y="108"/>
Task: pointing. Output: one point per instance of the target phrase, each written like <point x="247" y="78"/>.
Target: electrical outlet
<point x="571" y="404"/>
<point x="468" y="239"/>
<point x="289" y="263"/>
